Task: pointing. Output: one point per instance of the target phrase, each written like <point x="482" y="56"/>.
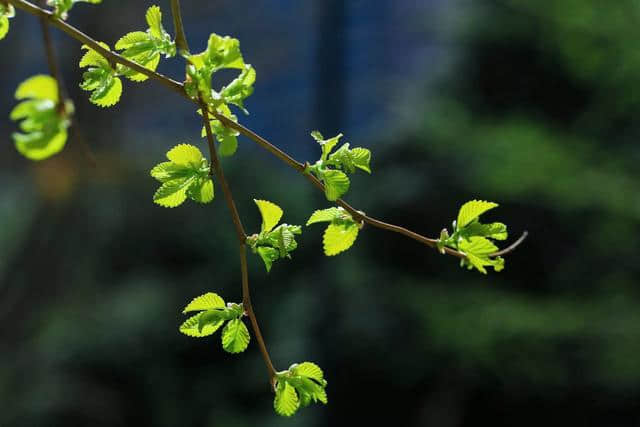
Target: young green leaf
<point x="495" y="230"/>
<point x="191" y="327"/>
<point x="478" y="250"/>
<point x="271" y="214"/>
<point x="310" y="370"/>
<point x="185" y="175"/>
<point x="341" y="232"/>
<point x="6" y="11"/>
<point x="472" y="210"/>
<point x="208" y="301"/>
<point x="44" y="120"/>
<point x="235" y="336"/>
<point x="100" y="78"/>
<point x="349" y="159"/>
<point x="325" y="144"/>
<point x="327" y="215"/>
<point x="336" y="184"/>
<point x="268" y="255"/>
<point x="240" y="88"/>
<point x="338" y="237"/>
<point x="286" y="401"/>
<point x="145" y="47"/>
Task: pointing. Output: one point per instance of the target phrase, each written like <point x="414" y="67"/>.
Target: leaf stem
<point x="179" y="88"/>
<point x="242" y="237"/>
<point x="181" y="39"/>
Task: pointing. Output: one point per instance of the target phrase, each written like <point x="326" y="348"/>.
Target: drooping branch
<point x="242" y="237"/>
<point x="52" y="61"/>
<point x="54" y="69"/>
<point x="179" y="88"/>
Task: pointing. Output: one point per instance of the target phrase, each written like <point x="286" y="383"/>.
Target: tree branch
<point x="181" y="39"/>
<point x="179" y="88"/>
<point x="62" y="91"/>
<point x="242" y="237"/>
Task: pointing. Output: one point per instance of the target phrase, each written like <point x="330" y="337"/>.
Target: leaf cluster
<point x="186" y="174"/>
<point x="474" y="238"/>
<point x="297" y="387"/>
<point x="273" y="243"/>
<point x="221" y="53"/>
<point x="212" y="314"/>
<point x="332" y="167"/>
<point x="145" y="47"/>
<point x="102" y="78"/>
<point x="45" y="119"/>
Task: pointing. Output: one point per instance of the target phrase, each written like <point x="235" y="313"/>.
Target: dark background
<point x="529" y="103"/>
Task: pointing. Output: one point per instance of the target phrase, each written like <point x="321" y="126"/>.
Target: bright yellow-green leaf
<point x="339" y="237"/>
<point x="326" y="215"/>
<point x="478" y="250"/>
<point x="235" y="336"/>
<point x="173" y="193"/>
<point x="309" y="369"/>
<point x="336" y="183"/>
<point x="191" y="328"/>
<point x="132" y="39"/>
<point x="40" y="145"/>
<point x="362" y="158"/>
<point x="110" y="97"/>
<point x="185" y="155"/>
<point x="207" y="301"/>
<point x="286" y="401"/>
<point x="268" y="255"/>
<point x="326" y="145"/>
<point x="4" y="26"/>
<point x="93" y="58"/>
<point x="472" y="210"/>
<point x="202" y="192"/>
<point x="39" y="86"/>
<point x="271" y="214"/>
<point x="154" y="19"/>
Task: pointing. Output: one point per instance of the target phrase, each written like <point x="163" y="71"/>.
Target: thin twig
<point x="179" y="88"/>
<point x="54" y="69"/>
<point x="51" y="60"/>
<point x="246" y="294"/>
<point x="217" y="167"/>
<point x="248" y="308"/>
<point x="181" y="39"/>
<point x="512" y="246"/>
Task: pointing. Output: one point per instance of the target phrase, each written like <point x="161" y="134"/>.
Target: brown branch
<point x="242" y="237"/>
<point x="181" y="39"/>
<point x="179" y="88"/>
<point x="512" y="246"/>
<point x="248" y="308"/>
<point x="62" y="91"/>
<point x="52" y="62"/>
